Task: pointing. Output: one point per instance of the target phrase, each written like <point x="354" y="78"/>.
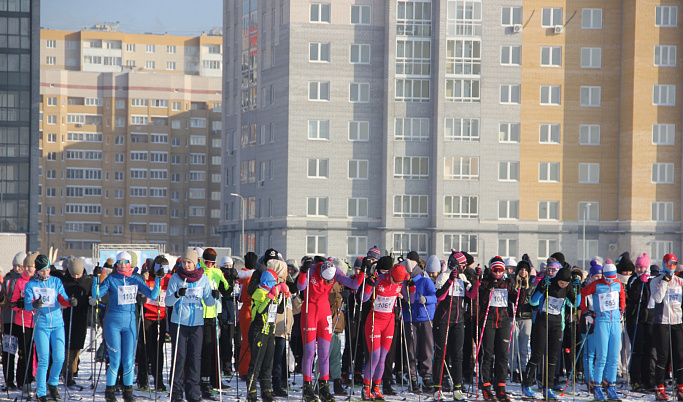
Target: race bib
<point x="10" y="344"/>
<point x="127" y="294"/>
<point x="499" y="298"/>
<point x="289" y="303"/>
<point x="272" y="312"/>
<point x="609" y="301"/>
<point x="47" y="295"/>
<point x="384" y="304"/>
<point x="161" y="302"/>
<point x="329" y="324"/>
<point x="674" y="295"/>
<point x="457" y="288"/>
<point x="554" y="305"/>
<point x="193" y="295"/>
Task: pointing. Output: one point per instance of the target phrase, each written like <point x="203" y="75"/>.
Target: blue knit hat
<point x="268" y="279"/>
<point x="374" y="253"/>
<point x="596" y="269"/>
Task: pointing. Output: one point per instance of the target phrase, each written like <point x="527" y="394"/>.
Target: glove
<point x="215" y="294"/>
<point x="19" y="303"/>
<point x="546" y="281"/>
<point x="667" y="277"/>
<point x="38" y="303"/>
<point x="160" y="273"/>
<point x="345" y="293"/>
<point x="370" y="281"/>
<point x="283" y="287"/>
<point x="232" y="274"/>
<point x="274" y="292"/>
<point x="306" y="264"/>
<point x="73" y="302"/>
<point x="180" y="292"/>
<point x="96" y="271"/>
<point x="576" y="281"/>
<point x="92" y="301"/>
<point x="422" y="300"/>
<point x="478" y="272"/>
<point x="411" y="283"/>
<point x="589" y="319"/>
<point x="454" y="275"/>
<point x="645" y="277"/>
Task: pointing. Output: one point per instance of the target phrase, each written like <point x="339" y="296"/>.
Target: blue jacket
<point x="190" y="307"/>
<point x="45" y="317"/>
<point x="113" y="284"/>
<point x="614" y="306"/>
<point x="423" y="287"/>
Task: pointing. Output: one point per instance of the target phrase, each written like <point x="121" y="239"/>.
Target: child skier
<point x="639" y="324"/>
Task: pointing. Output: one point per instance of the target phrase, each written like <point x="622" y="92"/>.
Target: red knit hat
<point x="398" y="273"/>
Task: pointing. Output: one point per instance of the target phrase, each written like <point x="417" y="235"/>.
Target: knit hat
<point x="109" y="263"/>
<point x="279" y="267"/>
<point x="384" y="263"/>
<point x="268" y="279"/>
<point x="225" y="261"/>
<point x="599" y="260"/>
<point x="270" y="254"/>
<point x="358" y="263"/>
<point x="74" y="265"/>
<point x="398" y="273"/>
<point x="609" y="271"/>
<point x="470" y="259"/>
<point x="30" y="260"/>
<point x="654" y="269"/>
<point x="125" y="255"/>
<point x="190" y="255"/>
<point x="523" y="265"/>
<point x="559" y="257"/>
<point x="433" y="264"/>
<point x="510" y="262"/>
<point x="42" y="262"/>
<point x="564" y="275"/>
<point x="374" y="253"/>
<point x="19" y="258"/>
<point x="625" y="265"/>
<point x="643" y="261"/>
<point x="526" y="258"/>
<point x="250" y="260"/>
<point x="554" y="265"/>
<point x="413" y="255"/>
<point x="456" y="258"/>
<point x="410" y="265"/>
<point x="496" y="263"/>
<point x="328" y="270"/>
<point x="624" y="255"/>
<point x="209" y="255"/>
<point x="596" y="268"/>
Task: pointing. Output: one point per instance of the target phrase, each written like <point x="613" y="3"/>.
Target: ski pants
<point x="279" y="361"/>
<point x="49" y="340"/>
<point x="188" y="356"/>
<point x="210" y="371"/>
<point x="120" y="334"/>
<point x="641" y="372"/>
<point x="519" y="348"/>
<point x="8" y="358"/>
<point x="456" y="335"/>
<point x="262" y="354"/>
<point x="316" y="325"/>
<point x="245" y="356"/>
<point x="607" y="350"/>
<point x="420" y="341"/>
<point x="495" y="343"/>
<point x="379" y="334"/>
<point x="668" y="338"/>
<point x="589" y="357"/>
<point x="338" y="341"/>
<point x="552" y="331"/>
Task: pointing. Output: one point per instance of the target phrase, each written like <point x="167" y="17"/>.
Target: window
<point x="176" y="106"/>
<point x="462" y="90"/>
<point x="591" y="18"/>
<point x="318" y="129"/>
<point x="590" y="211"/>
<point x="356" y="246"/>
<point x="407" y="242"/>
<point x="360" y="15"/>
<point x="52" y="138"/>
<point x="664" y="95"/>
<point x="150" y="48"/>
<point x="139" y="120"/>
<point x="130" y="47"/>
<point x="591" y="57"/>
<point x="658" y="249"/>
<point x="548" y="210"/>
<point x="150" y="65"/>
<point x="546" y="247"/>
<point x="461" y="168"/>
<point x="510" y="94"/>
<point x="456" y="128"/>
<point x="665" y="56"/>
<point x="589" y="173"/>
<point x="138" y="210"/>
<point x="663" y="134"/>
<point x="138" y="191"/>
<point x="507" y="247"/>
<point x="411" y="129"/>
<point x="319" y="91"/>
<point x="508" y="132"/>
<point x="663" y="173"/>
<point x="549" y="172"/>
<point x="550" y="95"/>
<point x="414" y="18"/>
<point x="358" y="208"/>
<point x="589" y="134"/>
<point x="51" y="119"/>
<point x="551" y="56"/>
<point x="462" y="242"/>
<point x="138" y="173"/>
<point x="410" y="206"/>
<point x="457" y="206"/>
<point x="511" y="55"/>
<point x="463" y="56"/>
<point x="510" y="16"/>
<point x="158" y="157"/>
<point x="550" y="133"/>
<point x="170" y="49"/>
<point x="360" y="54"/>
<point x="196" y="211"/>
<point x="138" y="155"/>
<point x="360" y="92"/>
<point x="52" y="156"/>
<point x="411" y="90"/>
<point x="551" y="17"/>
<point x="590" y="96"/>
<point x="197" y="159"/>
<point x="51" y="44"/>
<point x="358" y="169"/>
<point x="508" y="171"/>
<point x="52" y="101"/>
<point x="197" y="122"/>
<point x="359" y="131"/>
<point x="120" y="122"/>
<point x="319" y="52"/>
<point x="666" y="16"/>
<point x="318" y="168"/>
<point x="51" y="60"/>
<point x="508" y="209"/>
<point x="320" y="13"/>
<point x="411" y="167"/>
<point x="413" y="56"/>
<point x="317" y="206"/>
<point x="198" y="140"/>
<point x="662" y="211"/>
<point x="196" y="194"/>
<point x="175" y="159"/>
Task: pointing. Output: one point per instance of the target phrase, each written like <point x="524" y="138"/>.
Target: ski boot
<point x="458" y="394"/>
<point x="388" y="389"/>
<point x="110" y="393"/>
<point x="598" y="395"/>
<point x="206" y="391"/>
<point x="325" y="395"/>
<point x="338" y="389"/>
<point x="487" y="393"/>
<point x="43" y="398"/>
<point x="501" y="395"/>
<point x="612" y="394"/>
<point x="128" y="393"/>
<point x="267" y="395"/>
<point x="427" y="385"/>
<point x="376" y="393"/>
<point x="549" y="394"/>
<point x="528" y="392"/>
<point x="660" y="394"/>
<point x="591" y="386"/>
<point x="280" y="393"/>
<point x="53" y="391"/>
<point x="366" y="395"/>
<point x="308" y="394"/>
<point x="414" y="386"/>
<point x="252" y="396"/>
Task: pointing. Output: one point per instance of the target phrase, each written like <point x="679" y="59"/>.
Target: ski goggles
<point x="122" y="262"/>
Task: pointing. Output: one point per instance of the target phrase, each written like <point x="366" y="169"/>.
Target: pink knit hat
<point x="643" y="261"/>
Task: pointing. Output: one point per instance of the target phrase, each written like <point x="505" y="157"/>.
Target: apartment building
<point x="524" y="126"/>
<point x="130" y="140"/>
<point x="20" y="21"/>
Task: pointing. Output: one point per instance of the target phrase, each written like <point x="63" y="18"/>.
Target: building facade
<point x="130" y="140"/>
<point x="524" y="126"/>
<point x="19" y="83"/>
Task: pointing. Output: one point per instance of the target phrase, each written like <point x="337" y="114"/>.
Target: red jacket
<point x="153" y="311"/>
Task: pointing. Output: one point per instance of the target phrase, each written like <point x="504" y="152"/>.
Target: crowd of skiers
<point x="376" y="321"/>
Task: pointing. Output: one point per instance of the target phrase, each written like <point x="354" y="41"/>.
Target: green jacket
<point x="217" y="282"/>
<point x="260" y="307"/>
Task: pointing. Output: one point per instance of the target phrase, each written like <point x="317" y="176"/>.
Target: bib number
<point x="674" y="295"/>
<point x="384" y="304"/>
<point x="272" y="312"/>
<point x="10" y="344"/>
<point x="160" y="303"/>
<point x="499" y="298"/>
<point x="47" y="295"/>
<point x="457" y="288"/>
<point x="609" y="301"/>
<point x="193" y="295"/>
<point x="127" y="294"/>
<point x="554" y="306"/>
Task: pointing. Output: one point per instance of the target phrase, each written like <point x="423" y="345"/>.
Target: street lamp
<point x="241" y="216"/>
<point x="585" y="217"/>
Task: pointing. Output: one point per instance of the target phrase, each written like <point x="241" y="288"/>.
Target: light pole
<point x="585" y="217"/>
<point x="241" y="216"/>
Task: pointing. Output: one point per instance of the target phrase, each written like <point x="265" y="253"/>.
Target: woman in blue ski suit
<point x="588" y="330"/>
<point x="119" y="322"/>
<point x="45" y="295"/>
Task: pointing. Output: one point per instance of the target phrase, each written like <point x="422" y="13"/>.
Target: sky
<point x="177" y="17"/>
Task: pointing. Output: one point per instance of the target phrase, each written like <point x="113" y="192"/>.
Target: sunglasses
<point x="498" y="270"/>
<point x="122" y="262"/>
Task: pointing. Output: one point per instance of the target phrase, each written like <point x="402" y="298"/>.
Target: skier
<point x="317" y="318"/>
<point x="588" y="329"/>
<point x="551" y="295"/>
<point x="639" y="324"/>
<point x="8" y="284"/>
<point x="23" y="321"/>
<point x="519" y="349"/>
<point x="609" y="303"/>
<point x="120" y="324"/>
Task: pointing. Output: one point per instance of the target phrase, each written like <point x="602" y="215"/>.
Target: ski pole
<point x="413" y="345"/>
<point x="97" y="317"/>
<point x="547" y="358"/>
<point x="156" y="367"/>
<point x="514" y="318"/>
<point x="144" y="346"/>
<point x="286" y="349"/>
<point x="218" y="352"/>
<point x="29" y="356"/>
<point x="445" y="344"/>
<point x="175" y="354"/>
<point x="476" y="356"/>
<point x="68" y="351"/>
<point x="359" y="304"/>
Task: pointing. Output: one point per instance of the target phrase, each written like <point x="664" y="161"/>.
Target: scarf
<point x="125" y="272"/>
<point x="190" y="276"/>
<point x="39" y="278"/>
